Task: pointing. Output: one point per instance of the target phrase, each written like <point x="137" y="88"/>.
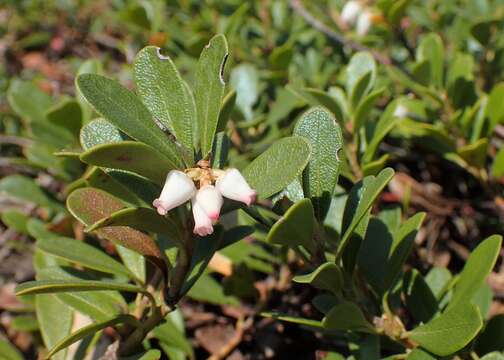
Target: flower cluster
<point x="206" y="200"/>
<point x="355" y="13"/>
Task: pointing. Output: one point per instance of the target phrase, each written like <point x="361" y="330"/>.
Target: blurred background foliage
<point x="428" y="101"/>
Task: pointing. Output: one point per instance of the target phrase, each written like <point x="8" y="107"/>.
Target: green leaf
<point x="148" y="355"/>
<point x="209" y="290"/>
<point x="170" y="334"/>
<point x="419" y="354"/>
<point x="327" y="276"/>
<point x="498" y="164"/>
<point x="98" y="305"/>
<point x="26" y="323"/>
<point x="228" y="104"/>
<point x="278" y="166"/>
<point x="55" y="320"/>
<point x="420" y="301"/>
<point x="142" y="219"/>
<point x="134" y="261"/>
<point x="431" y="48"/>
<point x="89" y="330"/>
<point x="100" y="131"/>
<point x="437" y="279"/>
<point x="385" y="124"/>
<point x="364" y="108"/>
<point x="450" y="332"/>
<point x="296" y="227"/>
<point x="56" y="286"/>
<point x="404" y="239"/>
<point x="90" y="205"/>
<point x="66" y="115"/>
<point x="83" y="254"/>
<point x="91" y="66"/>
<point x="356" y="209"/>
<point x="209" y="89"/>
<point x="476" y="269"/>
<point x="474" y="154"/>
<point x="361" y="66"/>
<point x="316" y="97"/>
<point x="123" y="109"/>
<point x="163" y="92"/>
<point x="28" y="101"/>
<point x="9" y="351"/>
<point x="293" y="319"/>
<point x="204" y="250"/>
<point x="495" y="107"/>
<point x="244" y="79"/>
<point x="347" y="316"/>
<point x="321" y="174"/>
<point x="26" y="189"/>
<point x="15" y="220"/>
<point x="131" y="156"/>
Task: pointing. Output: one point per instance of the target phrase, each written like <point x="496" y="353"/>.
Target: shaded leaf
<point x="327" y="276"/>
<point x="347" y="316"/>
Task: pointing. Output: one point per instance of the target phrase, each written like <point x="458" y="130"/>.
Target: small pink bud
<point x="202" y="223"/>
<point x="351" y="11"/>
<point x="178" y="189"/>
<point x="210" y="200"/>
<point x="233" y="185"/>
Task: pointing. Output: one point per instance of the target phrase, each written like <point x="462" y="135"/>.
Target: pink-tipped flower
<point x="210" y="200"/>
<point x="233" y="185"/>
<point x="202" y="223"/>
<point x="178" y="189"/>
<point x="351" y="11"/>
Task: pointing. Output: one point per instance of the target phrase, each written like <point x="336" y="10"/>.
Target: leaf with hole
<point x="209" y="89"/>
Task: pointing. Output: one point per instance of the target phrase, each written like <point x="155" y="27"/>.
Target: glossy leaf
<point x="28" y="101"/>
<point x="123" y="109"/>
<point x="26" y="189"/>
<point x="477" y="267"/>
<point x="9" y="351"/>
<point x="55" y="286"/>
<point x="450" y="332"/>
<point x="81" y="253"/>
<point x="315" y="97"/>
<point x="278" y="166"/>
<point x="296" y="227"/>
<point x="347" y="316"/>
<point x="431" y="48"/>
<point x="131" y="156"/>
<point x="55" y="320"/>
<point x="356" y="210"/>
<point x="209" y="89"/>
<point x="420" y="300"/>
<point x="244" y="79"/>
<point x="293" y="319"/>
<point x="163" y="92"/>
<point x="321" y="174"/>
<point x="89" y="330"/>
<point x="327" y="276"/>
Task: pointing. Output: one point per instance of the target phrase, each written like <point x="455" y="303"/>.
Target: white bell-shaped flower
<point x="202" y="223"/>
<point x="210" y="200"/>
<point x="364" y="23"/>
<point x="351" y="11"/>
<point x="178" y="189"/>
<point x="233" y="185"/>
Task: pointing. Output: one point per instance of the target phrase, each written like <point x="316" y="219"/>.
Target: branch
<point x="298" y="7"/>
